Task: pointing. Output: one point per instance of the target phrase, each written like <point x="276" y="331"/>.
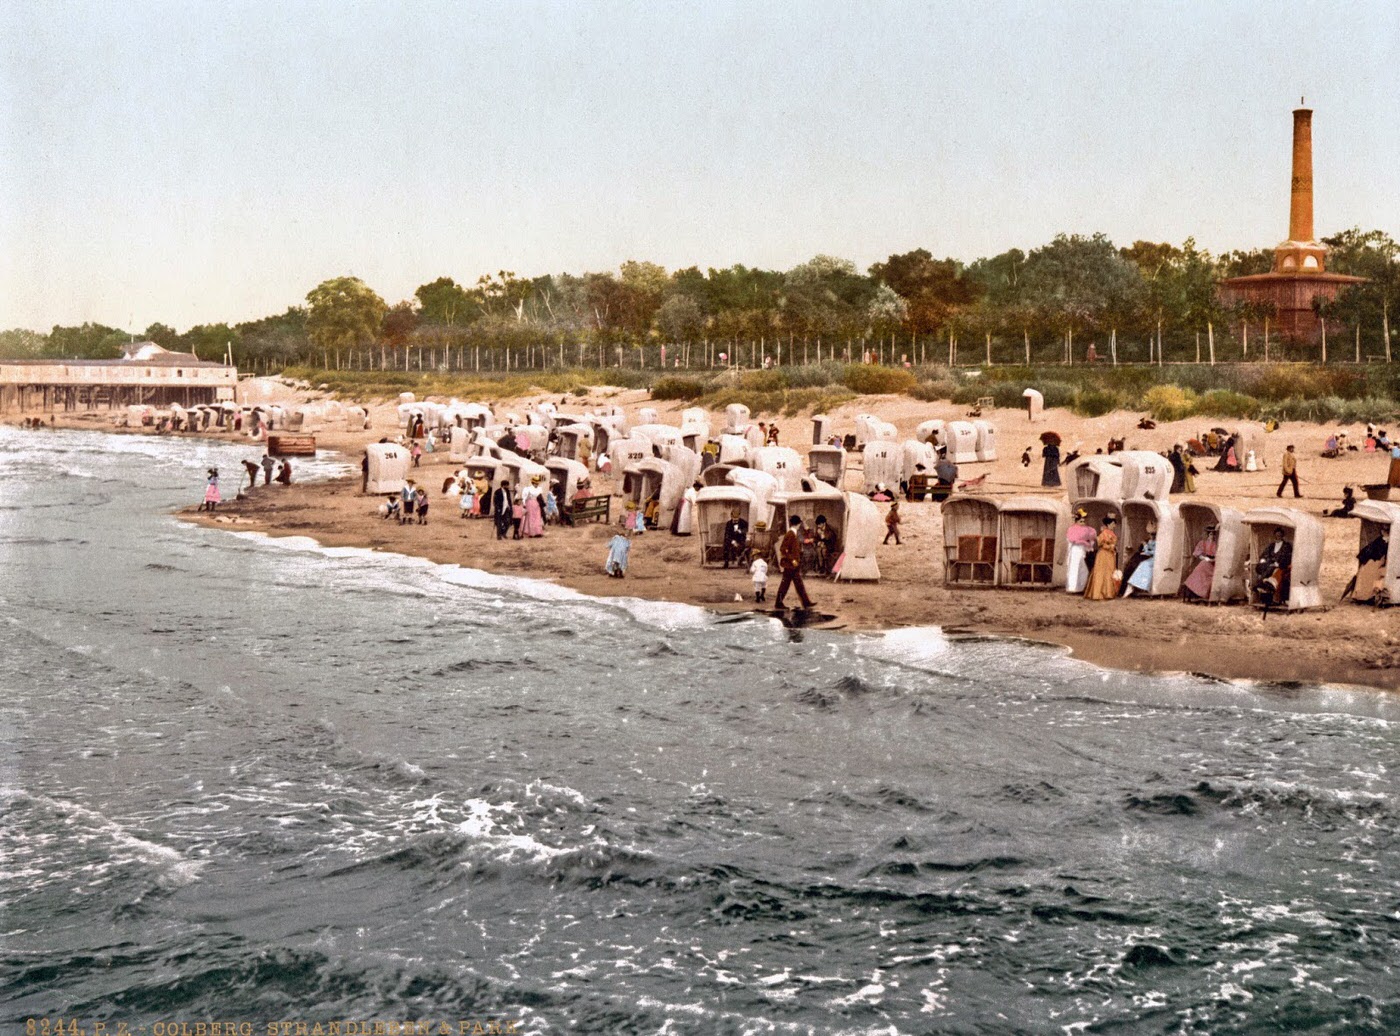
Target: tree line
<point x="1043" y="305"/>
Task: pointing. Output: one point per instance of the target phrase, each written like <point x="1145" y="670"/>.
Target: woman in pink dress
<point x="1197" y="585"/>
<point x="532" y="498"/>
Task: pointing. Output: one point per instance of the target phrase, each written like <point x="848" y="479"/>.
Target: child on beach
<point x="758" y="571"/>
<point x="420" y="498"/>
<point x="391" y="508"/>
<point x="211" y="491"/>
<point x="468" y="501"/>
<point x="407" y="498"/>
<point x="892" y="523"/>
<point x="416" y="453"/>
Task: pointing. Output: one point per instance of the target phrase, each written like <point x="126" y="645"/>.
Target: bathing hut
<point x="960" y="437"/>
<point x="713" y="506"/>
<point x="1035" y="404"/>
<point x="882" y="465"/>
<point x="1140" y="516"/>
<point x="733" y="448"/>
<point x="685" y="460"/>
<point x="986" y="444"/>
<point x="646" y="415"/>
<point x="930" y="431"/>
<point x="388" y="467"/>
<point x="865" y="527"/>
<point x="568" y="473"/>
<point x="463" y="445"/>
<point x="827" y="463"/>
<point x="718" y="474"/>
<point x="653" y="477"/>
<point x="489" y="467"/>
<point x="1146" y="475"/>
<point x="626" y="452"/>
<point x="136" y="416"/>
<point x="1378" y="581"/>
<point x="695" y="428"/>
<point x="1099" y="508"/>
<point x="912" y="454"/>
<point x="569" y="437"/>
<point x="815" y="499"/>
<point x="520" y="470"/>
<point x="356" y="419"/>
<point x="657" y="434"/>
<point x="971" y="529"/>
<point x="605" y="432"/>
<point x="532" y="440"/>
<point x="736" y="419"/>
<point x="1032" y="552"/>
<point x="782" y="462"/>
<point x="870" y="428"/>
<point x="407" y="397"/>
<point x="1300" y="587"/>
<point x="822" y="428"/>
<point x="1227" y="581"/>
<point x="763" y="486"/>
<point x="474" y="415"/>
<point x="1098" y="477"/>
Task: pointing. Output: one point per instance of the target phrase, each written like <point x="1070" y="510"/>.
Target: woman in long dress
<point x="1140" y="579"/>
<point x="211" y="491"/>
<point x="1050" y="474"/>
<point x="1202" y="573"/>
<point x="532" y="499"/>
<point x="1394" y="478"/>
<point x="683" y="524"/>
<point x="1103" y="584"/>
<point x="1082" y="541"/>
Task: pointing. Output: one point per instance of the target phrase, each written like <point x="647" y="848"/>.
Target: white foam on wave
<point x="668" y="615"/>
<point x="908" y="644"/>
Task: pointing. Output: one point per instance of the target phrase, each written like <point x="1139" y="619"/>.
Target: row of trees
<point x="1066" y="291"/>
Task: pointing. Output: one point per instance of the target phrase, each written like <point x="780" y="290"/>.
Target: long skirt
<point x="1394" y="479"/>
<point x="1077" y="569"/>
<point x="1198" y="582"/>
<point x="1050" y="473"/>
<point x="533" y="525"/>
<point x="1103" y="585"/>
<point x="211" y="494"/>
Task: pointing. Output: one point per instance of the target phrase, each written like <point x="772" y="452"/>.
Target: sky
<point x="196" y="162"/>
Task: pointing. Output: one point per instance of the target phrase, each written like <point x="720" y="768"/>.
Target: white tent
<point x="605" y="431"/>
<point x="882" y="463"/>
<point x="763" y="486"/>
<point x="865" y="527"/>
<point x="1035" y="404"/>
<point x="718" y="474"/>
<point x="782" y="462"/>
<point x="532" y="440"/>
<point x="695" y="428"/>
<point x="971" y="529"/>
<point x="1304" y="532"/>
<point x="1032" y="551"/>
<point x="930" y="431"/>
<point x="466" y="444"/>
<point x="646" y="415"/>
<point x="827" y="463"/>
<point x="960" y="437"/>
<point x="657" y="434"/>
<point x="1146" y="475"/>
<point x="870" y="428"/>
<point x="626" y="452"/>
<point x="570" y="435"/>
<point x="685" y="460"/>
<point x="388" y="467"/>
<point x="822" y="426"/>
<point x="713" y="506"/>
<point x="1098" y="477"/>
<point x="1228" y="568"/>
<point x="912" y="454"/>
<point x="568" y="473"/>
<point x="986" y="447"/>
<point x="736" y="419"/>
<point x="733" y="448"/>
<point x="1378" y="516"/>
<point x="1139" y="517"/>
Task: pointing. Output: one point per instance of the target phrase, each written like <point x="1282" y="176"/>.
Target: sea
<point x="262" y="783"/>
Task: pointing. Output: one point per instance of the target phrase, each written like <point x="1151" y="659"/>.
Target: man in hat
<point x="1290" y="472"/>
<point x="1272" y="570"/>
<point x="501" y="507"/>
<point x="790" y="562"/>
<point x="736" y="538"/>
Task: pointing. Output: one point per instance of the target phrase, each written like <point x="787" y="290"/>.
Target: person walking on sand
<point x="1290" y="472"/>
<point x="1103" y="582"/>
<point x="211" y="491"/>
<point x="892" y="523"/>
<point x="267" y="465"/>
<point x="790" y="561"/>
<point x="501" y="509"/>
<point x="758" y="572"/>
<point x="1050" y="472"/>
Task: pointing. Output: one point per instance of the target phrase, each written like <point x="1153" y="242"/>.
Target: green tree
<point x="445" y="302"/>
<point x="19" y="344"/>
<point x="345" y="313"/>
<point x="399" y="323"/>
<point x="934" y="289"/>
<point x="1371" y="254"/>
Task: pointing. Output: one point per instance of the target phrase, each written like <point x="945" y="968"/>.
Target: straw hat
<point x="535" y="479"/>
<point x="1081" y="513"/>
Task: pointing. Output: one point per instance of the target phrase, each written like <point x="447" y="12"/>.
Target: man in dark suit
<point x="502" y="507"/>
<point x="790" y="561"/>
<point x="736" y="538"/>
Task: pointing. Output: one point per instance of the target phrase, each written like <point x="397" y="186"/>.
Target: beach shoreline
<point x="1339" y="644"/>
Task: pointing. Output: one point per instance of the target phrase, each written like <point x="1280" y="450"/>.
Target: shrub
<point x="933" y="391"/>
<point x="1057" y="393"/>
<point x="870" y="380"/>
<point x="1225" y="403"/>
<point x="1095" y="402"/>
<point x="762" y="381"/>
<point x="677" y="388"/>
<point x="1169" y="403"/>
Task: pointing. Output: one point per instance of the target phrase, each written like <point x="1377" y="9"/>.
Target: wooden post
<point x="1266" y="339"/>
<point x="989" y="348"/>
<point x="1358" y="343"/>
<point x="1025" y="332"/>
<point x="1324" y="339"/>
<point x="1198" y="347"/>
<point x="1113" y="345"/>
<point x="1244" y="339"/>
<point x="1210" y="336"/>
<point x="1069" y="347"/>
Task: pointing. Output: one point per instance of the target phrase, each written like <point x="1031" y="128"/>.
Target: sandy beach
<point x="1340" y="643"/>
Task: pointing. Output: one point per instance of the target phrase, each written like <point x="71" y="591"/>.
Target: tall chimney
<point x="1300" y="210"/>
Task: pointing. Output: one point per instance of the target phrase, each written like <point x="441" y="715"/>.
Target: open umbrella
<point x="1050" y="438"/>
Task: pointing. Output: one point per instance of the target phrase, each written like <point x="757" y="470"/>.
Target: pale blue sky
<point x="195" y="162"/>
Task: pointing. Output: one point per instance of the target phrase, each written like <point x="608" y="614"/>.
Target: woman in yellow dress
<point x="1103" y="585"/>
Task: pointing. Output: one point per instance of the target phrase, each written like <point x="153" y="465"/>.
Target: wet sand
<point x="1340" y="643"/>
